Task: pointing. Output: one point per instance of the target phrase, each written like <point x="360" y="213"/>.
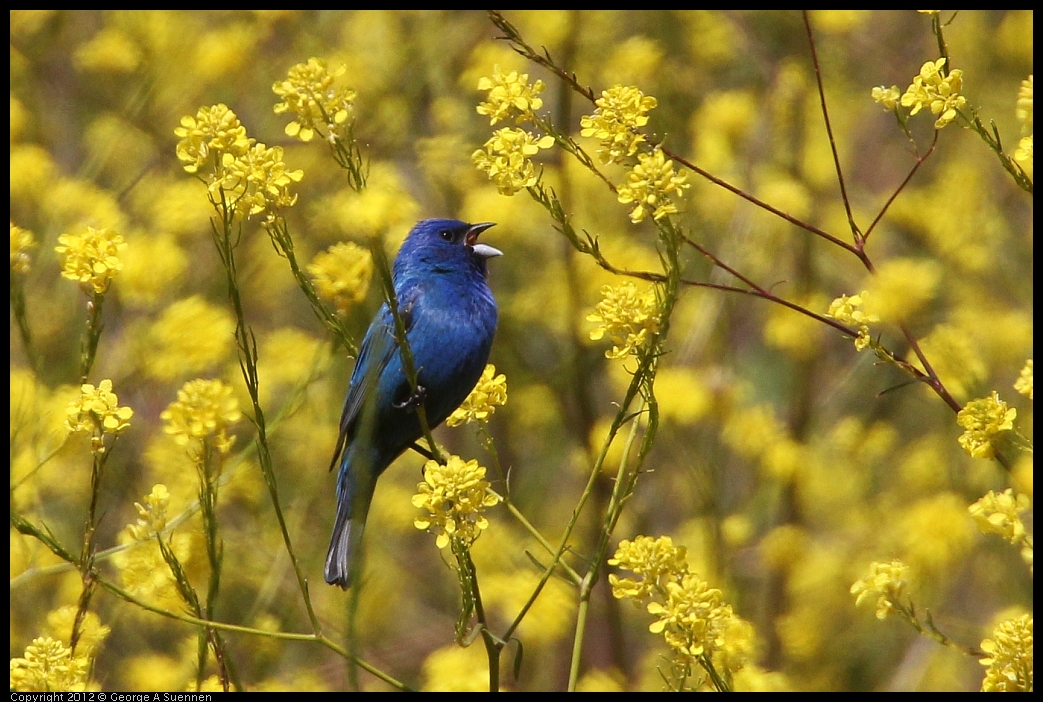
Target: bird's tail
<point x="354" y="494"/>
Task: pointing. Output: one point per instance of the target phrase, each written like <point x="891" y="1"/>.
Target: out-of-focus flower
<point x="888" y="97"/>
<point x="92" y="631"/>
<point x="999" y="514"/>
<point x="342" y="274"/>
<point x="152" y="516"/>
<point x="886" y="584"/>
<point x="628" y="317"/>
<point x="110" y="50"/>
<point x="454" y="496"/>
<point x="1023" y="111"/>
<point x="310" y="92"/>
<point x="1009" y="659"/>
<point x="983" y="421"/>
<point x="203" y="411"/>
<point x="21" y="241"/>
<point x="489" y="393"/>
<point x="939" y="92"/>
<point x="617" y="122"/>
<point x="189" y="336"/>
<point x="505" y="158"/>
<point x="91" y="257"/>
<point x="650" y="185"/>
<point x="507" y="93"/>
<point x="1024" y="382"/>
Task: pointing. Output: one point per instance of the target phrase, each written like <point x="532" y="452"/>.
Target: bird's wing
<point x="378" y="348"/>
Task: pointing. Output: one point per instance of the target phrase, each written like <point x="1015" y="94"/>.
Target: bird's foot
<point x="413" y="401"/>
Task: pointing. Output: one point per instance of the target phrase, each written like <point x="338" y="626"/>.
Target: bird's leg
<point x="413" y="401"/>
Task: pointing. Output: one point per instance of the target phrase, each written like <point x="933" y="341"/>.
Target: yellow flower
<point x="91" y="257"/>
<point x="489" y="393"/>
<point x="21" y="241"/>
<point x="1024" y="106"/>
<point x="92" y="631"/>
<point x="886" y="582"/>
<point x="1024" y="382"/>
<point x="48" y="666"/>
<point x="655" y="560"/>
<point x="207" y="137"/>
<point x="454" y="496"/>
<point x="941" y="93"/>
<point x="189" y="336"/>
<point x="693" y="619"/>
<point x="849" y="311"/>
<point x="649" y="186"/>
<point x="256" y="181"/>
<point x="508" y="92"/>
<point x="97" y="411"/>
<point x="1009" y="658"/>
<point x="505" y="158"/>
<point x="621" y="113"/>
<point x="1023" y="154"/>
<point x="320" y="106"/>
<point x="152" y="516"/>
<point x="888" y="97"/>
<point x="999" y="514"/>
<point x="983" y="420"/>
<point x="627" y="316"/>
<point x="342" y="274"/>
<point x="109" y="50"/>
<point x="204" y="409"/>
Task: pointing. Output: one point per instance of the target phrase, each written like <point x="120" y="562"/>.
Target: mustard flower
<point x="1023" y="111"/>
<point x="91" y="257"/>
<point x="886" y="582"/>
<point x="505" y="158"/>
<point x="48" y="666"/>
<point x="508" y="92"/>
<point x="152" y="516"/>
<point x="92" y="632"/>
<point x="342" y="274"/>
<point x="849" y="311"/>
<point x="694" y="617"/>
<point x="984" y="420"/>
<point x="203" y="411"/>
<point x="627" y="316"/>
<point x="888" y="97"/>
<point x="189" y="336"/>
<point x="654" y="560"/>
<point x="1023" y="154"/>
<point x="256" y="181"/>
<point x="207" y="137"/>
<point x="489" y="393"/>
<point x="310" y="93"/>
<point x="621" y="113"/>
<point x="1009" y="659"/>
<point x="97" y="411"/>
<point x="1024" y="382"/>
<point x="454" y="497"/>
<point x="941" y="93"/>
<point x="21" y="241"/>
<point x="999" y="514"/>
<point x="649" y="186"/>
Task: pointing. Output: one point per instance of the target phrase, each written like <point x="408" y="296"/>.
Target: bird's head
<point x="446" y="243"/>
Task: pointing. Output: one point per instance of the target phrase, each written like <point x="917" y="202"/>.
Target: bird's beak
<point x="483" y="250"/>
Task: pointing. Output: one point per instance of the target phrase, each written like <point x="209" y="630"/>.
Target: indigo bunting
<point x="449" y="313"/>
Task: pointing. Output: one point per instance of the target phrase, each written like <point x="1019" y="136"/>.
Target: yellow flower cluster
<point x="621" y="113"/>
<point x="1009" y="659"/>
<point x="1000" y="514"/>
<point x="1024" y="382"/>
<point x="454" y="497"/>
<point x="692" y="617"/>
<point x="152" y="516"/>
<point x="241" y="174"/>
<point x="983" y="421"/>
<point x="97" y="411"/>
<point x="204" y="410"/>
<point x="1023" y="111"/>
<point x="627" y="316"/>
<point x="649" y="186"/>
<point x="654" y="560"/>
<point x="886" y="583"/>
<point x="49" y="666"/>
<point x="888" y="97"/>
<point x="487" y="395"/>
<point x="849" y="311"/>
<point x="310" y="93"/>
<point x="91" y="257"/>
<point x="508" y="92"/>
<point x="505" y="158"/>
<point x="933" y="89"/>
<point x="92" y="632"/>
<point x="21" y="241"/>
<point x="342" y="274"/>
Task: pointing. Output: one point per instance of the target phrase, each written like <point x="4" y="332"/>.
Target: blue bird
<point x="450" y="317"/>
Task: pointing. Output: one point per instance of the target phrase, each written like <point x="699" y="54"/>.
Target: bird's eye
<point x="447" y="235"/>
